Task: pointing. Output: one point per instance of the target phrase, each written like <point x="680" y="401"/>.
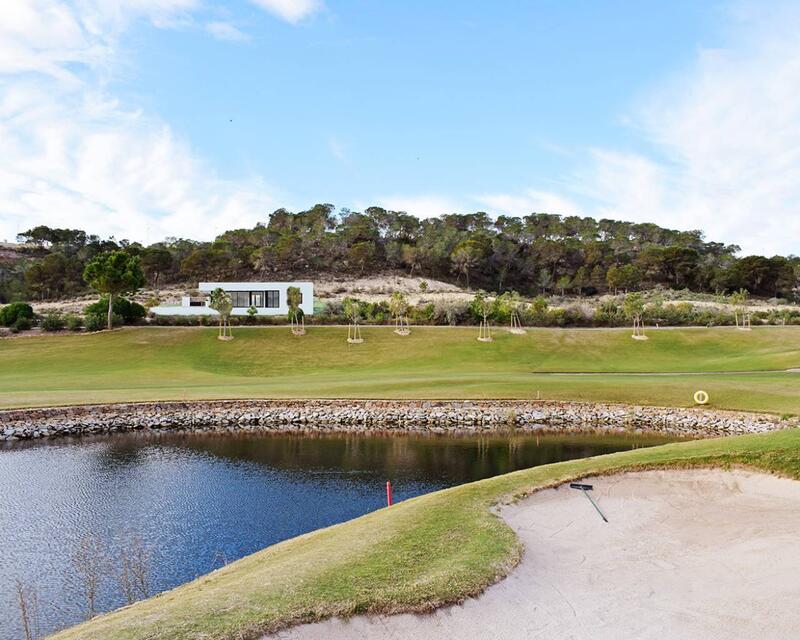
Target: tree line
<point x="535" y="254"/>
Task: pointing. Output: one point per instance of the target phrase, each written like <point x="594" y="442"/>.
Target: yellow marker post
<point x="700" y="397"/>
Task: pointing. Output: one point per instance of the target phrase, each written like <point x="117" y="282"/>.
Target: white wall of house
<point x="269" y="299"/>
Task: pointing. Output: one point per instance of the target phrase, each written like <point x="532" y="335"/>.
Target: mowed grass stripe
<point x="433" y="362"/>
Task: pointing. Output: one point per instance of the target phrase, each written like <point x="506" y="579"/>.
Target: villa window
<point x="273" y="299"/>
<point x="257" y="299"/>
<point x="240" y="299"/>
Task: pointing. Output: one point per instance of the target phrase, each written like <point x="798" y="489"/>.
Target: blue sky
<point x="148" y="118"/>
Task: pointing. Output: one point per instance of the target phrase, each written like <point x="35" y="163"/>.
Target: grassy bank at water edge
<point x="423" y="552"/>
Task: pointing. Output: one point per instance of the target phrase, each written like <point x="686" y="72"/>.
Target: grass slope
<point x="433" y="362"/>
<point x="161" y="363"/>
<point x="438" y="548"/>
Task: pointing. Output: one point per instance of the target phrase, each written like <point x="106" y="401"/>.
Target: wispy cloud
<point x="73" y="155"/>
<point x="423" y="206"/>
<point x="292" y="11"/>
<point x="723" y="140"/>
<point x="337" y="149"/>
<point x="527" y="202"/>
<point x="227" y="31"/>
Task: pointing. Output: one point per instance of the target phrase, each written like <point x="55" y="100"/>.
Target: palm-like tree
<point x="296" y="316"/>
<point x="221" y="302"/>
<point x="398" y="306"/>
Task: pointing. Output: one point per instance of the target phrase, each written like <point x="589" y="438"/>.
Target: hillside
<point x="379" y="288"/>
<point x="535" y="254"/>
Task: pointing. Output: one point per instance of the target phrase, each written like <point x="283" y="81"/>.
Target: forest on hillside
<point x="535" y="254"/>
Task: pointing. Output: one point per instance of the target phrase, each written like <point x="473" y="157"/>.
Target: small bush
<point x="130" y="312"/>
<point x="52" y="322"/>
<point x="22" y="324"/>
<point x="94" y="322"/>
<point x="73" y="322"/>
<point x="10" y="313"/>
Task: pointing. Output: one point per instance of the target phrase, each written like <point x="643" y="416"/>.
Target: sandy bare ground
<point x="378" y="288"/>
<point x="685" y="554"/>
<point x="369" y="288"/>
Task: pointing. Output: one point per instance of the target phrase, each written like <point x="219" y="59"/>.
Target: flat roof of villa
<point x="246" y="286"/>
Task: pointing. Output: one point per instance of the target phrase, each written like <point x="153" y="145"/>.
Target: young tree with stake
<point x="634" y="308"/>
<point x="510" y="304"/>
<point x="398" y="306"/>
<point x="296" y="316"/>
<point x="482" y="307"/>
<point x="221" y="302"/>
<point x="352" y="309"/>
<point x="740" y="311"/>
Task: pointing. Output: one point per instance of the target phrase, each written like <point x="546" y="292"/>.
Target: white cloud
<point x="337" y="149"/>
<point x="226" y="31"/>
<point x="527" y="202"/>
<point x="72" y="155"/>
<point x="81" y="161"/>
<point x="422" y="206"/>
<point x="42" y="35"/>
<point x="726" y="134"/>
<point x="290" y="10"/>
<point x="45" y="36"/>
<point x="723" y="140"/>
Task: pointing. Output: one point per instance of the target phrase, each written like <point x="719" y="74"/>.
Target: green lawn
<point x="433" y="362"/>
<point x="430" y="550"/>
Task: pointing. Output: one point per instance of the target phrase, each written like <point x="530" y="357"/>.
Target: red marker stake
<point x="389" y="493"/>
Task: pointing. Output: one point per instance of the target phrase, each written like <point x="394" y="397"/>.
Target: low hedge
<point x="609" y="314"/>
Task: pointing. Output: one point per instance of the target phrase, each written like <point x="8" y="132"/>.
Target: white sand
<point x="686" y="554"/>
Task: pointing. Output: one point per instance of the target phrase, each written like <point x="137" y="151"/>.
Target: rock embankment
<point x="378" y="415"/>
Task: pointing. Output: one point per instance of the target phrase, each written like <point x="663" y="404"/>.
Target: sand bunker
<point x="686" y="554"/>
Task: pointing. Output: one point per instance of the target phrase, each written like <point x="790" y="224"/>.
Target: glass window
<point x="273" y="299"/>
<point x="257" y="298"/>
<point x="240" y="298"/>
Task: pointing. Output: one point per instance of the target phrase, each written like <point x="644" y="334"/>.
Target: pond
<point x="191" y="502"/>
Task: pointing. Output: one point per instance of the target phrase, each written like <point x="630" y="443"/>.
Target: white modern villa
<point x="268" y="299"/>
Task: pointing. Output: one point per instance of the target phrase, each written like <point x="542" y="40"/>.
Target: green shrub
<point x="376" y="312"/>
<point x="10" y="313"/>
<point x="52" y="322"/>
<point x="95" y="322"/>
<point x="73" y="322"/>
<point x="21" y="324"/>
<point x="557" y="318"/>
<point x="130" y="312"/>
<point x="333" y="312"/>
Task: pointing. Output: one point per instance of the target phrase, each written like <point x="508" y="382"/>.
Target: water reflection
<point x="199" y="500"/>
